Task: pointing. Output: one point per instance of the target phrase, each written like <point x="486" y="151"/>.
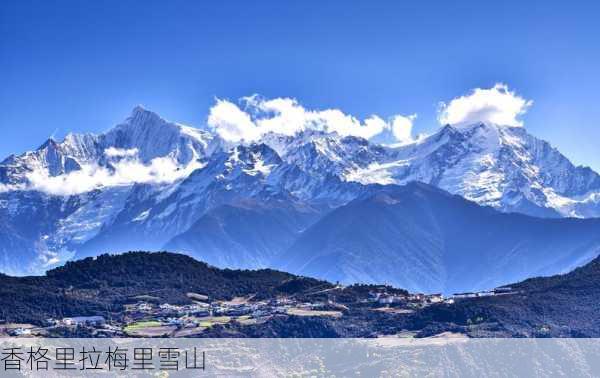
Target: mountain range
<point x="487" y="210"/>
<point x="428" y="240"/>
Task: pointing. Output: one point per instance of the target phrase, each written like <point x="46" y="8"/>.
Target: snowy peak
<point x="500" y="166"/>
<point x="155" y="137"/>
<point x="321" y="153"/>
<point x="82" y="147"/>
<point x="240" y="171"/>
<point x="53" y="158"/>
<point x="141" y="115"/>
<point x="144" y="136"/>
<point x="245" y="157"/>
<point x="254" y="159"/>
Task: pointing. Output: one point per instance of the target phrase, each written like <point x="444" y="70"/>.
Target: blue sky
<point x="81" y="66"/>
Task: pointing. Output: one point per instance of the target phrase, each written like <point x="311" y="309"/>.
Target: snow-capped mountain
<point x="498" y="166"/>
<point x="149" y="183"/>
<point x="144" y="134"/>
<point x="55" y="199"/>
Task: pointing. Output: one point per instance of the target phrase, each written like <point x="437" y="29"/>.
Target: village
<point x="147" y="318"/>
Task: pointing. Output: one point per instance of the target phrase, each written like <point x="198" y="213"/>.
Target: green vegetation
<point x="141" y="325"/>
<point x="564" y="305"/>
<point x="558" y="306"/>
<point x="105" y="284"/>
<point x="209" y="321"/>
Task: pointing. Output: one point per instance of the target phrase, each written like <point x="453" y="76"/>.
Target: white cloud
<point x="248" y="121"/>
<point x="4" y="188"/>
<point x="286" y="116"/>
<point x="48" y="258"/>
<point x="125" y="172"/>
<point x="120" y="152"/>
<point x="496" y="105"/>
<point x="10" y="187"/>
<point x="402" y="128"/>
<point x="231" y="123"/>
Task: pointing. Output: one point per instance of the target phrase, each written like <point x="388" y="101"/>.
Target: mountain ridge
<point x="148" y="182"/>
<point x="424" y="239"/>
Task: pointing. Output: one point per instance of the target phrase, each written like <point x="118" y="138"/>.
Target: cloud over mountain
<point x="126" y="171"/>
<point x="256" y="116"/>
<point x="402" y="127"/>
<point x="497" y="105"/>
<point x="148" y="149"/>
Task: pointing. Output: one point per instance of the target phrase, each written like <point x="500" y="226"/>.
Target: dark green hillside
<point x="559" y="306"/>
<point x="102" y="285"/>
<point x="565" y="305"/>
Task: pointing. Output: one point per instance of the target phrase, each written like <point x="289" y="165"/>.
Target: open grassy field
<point x="149" y="329"/>
<point x="139" y="325"/>
<point x="209" y="321"/>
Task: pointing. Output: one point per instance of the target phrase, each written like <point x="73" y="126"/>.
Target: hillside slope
<point x="424" y="239"/>
<point x="565" y="305"/>
<point x="102" y="285"/>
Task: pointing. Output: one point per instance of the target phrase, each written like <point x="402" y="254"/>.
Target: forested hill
<point x="103" y="284"/>
<point x="566" y="305"/>
<point x="142" y="272"/>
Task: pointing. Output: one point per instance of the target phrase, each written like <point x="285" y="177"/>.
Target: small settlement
<point x="145" y="317"/>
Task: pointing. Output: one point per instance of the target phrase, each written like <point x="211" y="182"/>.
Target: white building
<point x="84" y="321"/>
